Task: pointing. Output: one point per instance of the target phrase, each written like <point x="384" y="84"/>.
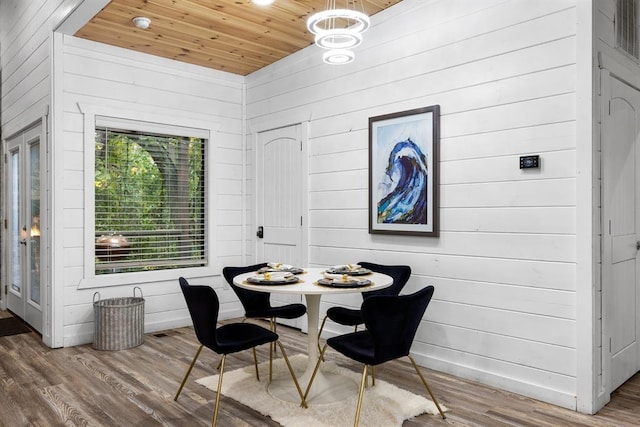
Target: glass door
<point x="24" y="297"/>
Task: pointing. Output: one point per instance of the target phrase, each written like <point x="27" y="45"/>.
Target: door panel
<point x="279" y="190"/>
<point x="24" y="294"/>
<point x="621" y="226"/>
<point x="16" y="235"/>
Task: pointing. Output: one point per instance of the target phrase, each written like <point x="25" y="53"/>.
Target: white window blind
<point x="149" y="197"/>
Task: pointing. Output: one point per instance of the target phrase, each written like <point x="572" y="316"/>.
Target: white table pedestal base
<point x="327" y="387"/>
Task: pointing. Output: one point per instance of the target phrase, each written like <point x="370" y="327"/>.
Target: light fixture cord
<point x="331" y="5"/>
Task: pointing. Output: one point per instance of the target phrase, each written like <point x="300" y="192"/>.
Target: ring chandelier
<point x="338" y="31"/>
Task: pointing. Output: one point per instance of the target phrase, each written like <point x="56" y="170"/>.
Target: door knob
<point x="638" y="245"/>
<point x="260" y="233"/>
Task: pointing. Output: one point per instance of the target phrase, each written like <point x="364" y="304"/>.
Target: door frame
<point x="607" y="370"/>
<point x="304" y="187"/>
<point x="304" y="198"/>
<point x="45" y="283"/>
<point x="299" y="130"/>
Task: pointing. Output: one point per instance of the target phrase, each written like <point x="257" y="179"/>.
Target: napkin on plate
<point x="345" y="267"/>
<point x="275" y="275"/>
<point x="279" y="266"/>
<point x="337" y="277"/>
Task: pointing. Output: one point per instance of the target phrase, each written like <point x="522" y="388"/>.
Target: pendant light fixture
<point x="338" y="29"/>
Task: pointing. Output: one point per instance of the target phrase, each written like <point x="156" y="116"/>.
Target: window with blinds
<point x="627" y="26"/>
<point x="149" y="201"/>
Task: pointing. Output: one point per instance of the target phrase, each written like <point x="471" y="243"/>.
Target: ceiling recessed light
<point x="141" y="22"/>
<point x="263" y="2"/>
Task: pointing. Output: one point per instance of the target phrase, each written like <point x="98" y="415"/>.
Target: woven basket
<point x="119" y="322"/>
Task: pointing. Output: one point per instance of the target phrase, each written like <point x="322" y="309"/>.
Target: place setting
<point x="275" y="273"/>
<point x="276" y="267"/>
<point x="345" y="276"/>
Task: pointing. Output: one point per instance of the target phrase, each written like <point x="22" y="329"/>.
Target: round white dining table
<point x="327" y="387"/>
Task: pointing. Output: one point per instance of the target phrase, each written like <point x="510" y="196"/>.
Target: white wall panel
<point x="516" y="298"/>
<point x="535" y="247"/>
<point x="553" y="165"/>
<point x="539" y="192"/>
<point x="25" y="60"/>
<point x="510" y="219"/>
<point x="98" y="76"/>
<point x="526" y="140"/>
<point x="537" y="274"/>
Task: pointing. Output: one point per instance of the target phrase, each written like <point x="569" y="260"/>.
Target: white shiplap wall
<point x="25" y="61"/>
<point x="138" y="86"/>
<point x="504" y="266"/>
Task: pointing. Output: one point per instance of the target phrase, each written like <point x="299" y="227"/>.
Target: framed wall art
<point x="403" y="172"/>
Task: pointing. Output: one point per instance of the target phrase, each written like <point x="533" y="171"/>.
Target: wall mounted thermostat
<point x="527" y="162"/>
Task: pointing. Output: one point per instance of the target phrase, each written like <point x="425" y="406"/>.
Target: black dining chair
<point x="204" y="306"/>
<point x="353" y="317"/>
<point x="391" y="324"/>
<point x="257" y="305"/>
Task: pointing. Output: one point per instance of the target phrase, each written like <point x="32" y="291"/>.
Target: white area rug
<point x="384" y="405"/>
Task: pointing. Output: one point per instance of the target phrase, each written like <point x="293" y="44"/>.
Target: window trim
<point x="145" y="122"/>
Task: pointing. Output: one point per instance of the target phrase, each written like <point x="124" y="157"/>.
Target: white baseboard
<point x="513" y="385"/>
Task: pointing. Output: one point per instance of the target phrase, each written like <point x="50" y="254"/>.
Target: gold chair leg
<point x="272" y="347"/>
<point x="427" y="387"/>
<point x="320" y="333"/>
<point x="360" y="394"/>
<point x="218" y="392"/>
<point x="255" y="362"/>
<point x="315" y="371"/>
<point x="184" y="380"/>
<point x="273" y="324"/>
<point x="303" y="401"/>
<point x="271" y="361"/>
<point x="373" y="376"/>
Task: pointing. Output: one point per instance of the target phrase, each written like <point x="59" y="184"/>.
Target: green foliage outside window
<point x="149" y="191"/>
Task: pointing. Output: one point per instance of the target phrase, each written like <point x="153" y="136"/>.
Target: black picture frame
<point x="404" y="156"/>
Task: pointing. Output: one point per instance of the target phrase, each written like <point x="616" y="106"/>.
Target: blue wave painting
<point x="404" y="186"/>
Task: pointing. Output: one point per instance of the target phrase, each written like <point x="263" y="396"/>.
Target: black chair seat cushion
<point x="236" y="337"/>
<point x="345" y="316"/>
<point x="358" y="346"/>
<point x="289" y="311"/>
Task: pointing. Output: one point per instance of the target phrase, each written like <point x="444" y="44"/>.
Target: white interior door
<point x="24" y="292"/>
<point x="281" y="201"/>
<point x="621" y="232"/>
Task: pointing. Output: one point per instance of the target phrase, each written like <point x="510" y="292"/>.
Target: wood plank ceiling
<point x="236" y="36"/>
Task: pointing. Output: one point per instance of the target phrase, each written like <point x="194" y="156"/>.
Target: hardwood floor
<point x="79" y="386"/>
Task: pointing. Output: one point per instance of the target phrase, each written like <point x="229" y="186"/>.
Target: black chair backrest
<point x="204" y="306"/>
<point x="400" y="274"/>
<point x="393" y="322"/>
<point x="250" y="300"/>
